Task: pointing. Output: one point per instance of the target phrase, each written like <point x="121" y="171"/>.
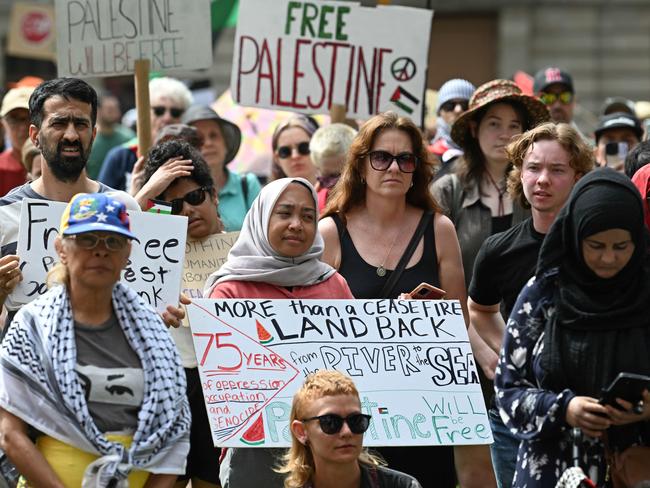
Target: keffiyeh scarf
<point x="39" y="384"/>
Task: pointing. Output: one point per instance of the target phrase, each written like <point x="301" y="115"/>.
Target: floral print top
<point x="534" y="415"/>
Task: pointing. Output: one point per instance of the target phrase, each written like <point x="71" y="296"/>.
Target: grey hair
<point x="331" y="140"/>
<point x="171" y="88"/>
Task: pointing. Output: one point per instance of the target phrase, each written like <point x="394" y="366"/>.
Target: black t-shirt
<point x="504" y="264"/>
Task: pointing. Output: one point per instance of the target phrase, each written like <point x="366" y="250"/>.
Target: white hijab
<point x="252" y="258"/>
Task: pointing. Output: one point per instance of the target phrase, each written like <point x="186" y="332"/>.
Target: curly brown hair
<point x="350" y="190"/>
<point x="581" y="155"/>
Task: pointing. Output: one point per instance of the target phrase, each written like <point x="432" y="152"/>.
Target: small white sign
<point x="105" y="38"/>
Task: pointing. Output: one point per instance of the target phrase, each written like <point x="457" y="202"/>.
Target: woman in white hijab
<point x="278" y="256"/>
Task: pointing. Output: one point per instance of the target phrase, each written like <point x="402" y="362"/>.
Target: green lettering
<point x="290" y="17"/>
<point x="307" y="19"/>
<point x="340" y="23"/>
<point x="322" y="25"/>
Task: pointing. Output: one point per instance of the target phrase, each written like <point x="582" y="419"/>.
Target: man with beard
<point x="62" y="115"/>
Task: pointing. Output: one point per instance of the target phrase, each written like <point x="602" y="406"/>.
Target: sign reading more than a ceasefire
<point x="105" y="37"/>
<point x="305" y="56"/>
<point x="410" y="360"/>
<point x="153" y="270"/>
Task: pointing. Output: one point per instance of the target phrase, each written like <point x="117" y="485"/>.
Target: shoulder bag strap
<point x="387" y="290"/>
<point x="244" y="187"/>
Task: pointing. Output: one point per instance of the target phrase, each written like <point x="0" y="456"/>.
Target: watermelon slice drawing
<point x="254" y="435"/>
<point x="262" y="334"/>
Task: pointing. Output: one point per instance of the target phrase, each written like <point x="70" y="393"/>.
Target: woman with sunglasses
<point x="221" y="141"/>
<point x="191" y="193"/>
<point x="373" y="213"/>
<point x="291" y="154"/>
<point x="277" y="256"/>
<point x="327" y="429"/>
<point x="90" y="368"/>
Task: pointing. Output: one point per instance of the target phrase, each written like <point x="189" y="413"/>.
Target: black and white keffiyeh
<point x="39" y="384"/>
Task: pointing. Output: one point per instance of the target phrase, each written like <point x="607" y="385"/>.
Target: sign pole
<point x="338" y="114"/>
<point x="142" y="105"/>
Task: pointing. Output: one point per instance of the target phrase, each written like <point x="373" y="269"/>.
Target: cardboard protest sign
<point x="31" y="31"/>
<point x="105" y="38"/>
<point x="307" y="55"/>
<point x="411" y="361"/>
<point x="154" y="268"/>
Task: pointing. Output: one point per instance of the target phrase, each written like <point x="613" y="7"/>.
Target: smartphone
<point x="615" y="153"/>
<point x="425" y="291"/>
<point x="628" y="386"/>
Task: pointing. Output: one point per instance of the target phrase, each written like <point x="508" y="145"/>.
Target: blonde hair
<point x="298" y="463"/>
<point x="59" y="274"/>
<point x="331" y="141"/>
<point x="581" y="157"/>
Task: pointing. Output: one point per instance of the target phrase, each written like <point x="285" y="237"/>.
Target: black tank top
<point x="362" y="278"/>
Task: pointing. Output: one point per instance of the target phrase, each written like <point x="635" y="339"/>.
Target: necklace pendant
<point x="381" y="271"/>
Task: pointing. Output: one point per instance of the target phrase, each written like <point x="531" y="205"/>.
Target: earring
<point x="363" y="180"/>
<point x="411" y="185"/>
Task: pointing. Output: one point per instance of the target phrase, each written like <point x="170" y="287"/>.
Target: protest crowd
<point x="538" y="229"/>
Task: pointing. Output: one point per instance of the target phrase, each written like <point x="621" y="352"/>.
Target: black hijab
<point x="601" y="326"/>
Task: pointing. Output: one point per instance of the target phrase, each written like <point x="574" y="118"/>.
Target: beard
<point x="65" y="168"/>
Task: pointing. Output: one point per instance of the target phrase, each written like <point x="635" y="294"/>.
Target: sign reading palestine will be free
<point x="305" y="56"/>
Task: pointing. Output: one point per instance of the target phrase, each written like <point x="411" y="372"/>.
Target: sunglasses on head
<point x="450" y="105"/>
<point x="332" y="423"/>
<point x="285" y="151"/>
<point x="194" y="197"/>
<point x="88" y="240"/>
<point x="381" y="161"/>
<point x="159" y="111"/>
<point x="564" y="97"/>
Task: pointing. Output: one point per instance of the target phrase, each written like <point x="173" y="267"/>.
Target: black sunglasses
<point x="285" y="151"/>
<point x="195" y="197"/>
<point x="332" y="423"/>
<point x="450" y="105"/>
<point x="159" y="111"/>
<point x="381" y="161"/>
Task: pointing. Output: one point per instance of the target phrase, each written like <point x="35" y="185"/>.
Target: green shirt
<point x="102" y="144"/>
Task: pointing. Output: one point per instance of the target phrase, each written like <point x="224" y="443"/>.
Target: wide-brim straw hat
<point x="493" y="92"/>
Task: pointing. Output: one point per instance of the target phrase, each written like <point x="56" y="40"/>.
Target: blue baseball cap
<point x="92" y="212"/>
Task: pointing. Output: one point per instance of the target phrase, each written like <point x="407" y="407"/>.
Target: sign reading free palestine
<point x="307" y="55"/>
<point x="410" y="360"/>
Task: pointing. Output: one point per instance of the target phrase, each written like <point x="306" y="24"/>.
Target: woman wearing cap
<point x="277" y="255"/>
<point x="575" y="327"/>
<point x="91" y="368"/>
<point x="221" y="140"/>
<point x="327" y="429"/>
<point x="380" y="204"/>
<point x="190" y="191"/>
<point x="291" y="154"/>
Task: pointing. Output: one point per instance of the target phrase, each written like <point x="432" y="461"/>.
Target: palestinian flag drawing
<point x="159" y="207"/>
<point x="404" y="100"/>
<point x="262" y="334"/>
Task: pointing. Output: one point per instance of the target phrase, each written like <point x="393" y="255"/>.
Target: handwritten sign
<point x="154" y="268"/>
<point x="411" y="361"/>
<point x="105" y="38"/>
<point x="204" y="257"/>
<point x="307" y="55"/>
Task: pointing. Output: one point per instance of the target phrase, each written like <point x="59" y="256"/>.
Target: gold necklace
<point x="381" y="271"/>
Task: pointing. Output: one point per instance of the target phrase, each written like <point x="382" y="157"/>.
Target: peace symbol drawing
<point x="403" y="69"/>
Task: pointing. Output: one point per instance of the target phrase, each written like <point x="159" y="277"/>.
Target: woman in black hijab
<point x="578" y="323"/>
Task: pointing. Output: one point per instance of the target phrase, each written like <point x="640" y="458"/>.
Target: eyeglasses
<point x="159" y="111"/>
<point x="564" y="97"/>
<point x="285" y="151"/>
<point x="332" y="423"/>
<point x="194" y="198"/>
<point x="88" y="240"/>
<point x="381" y="161"/>
<point x="450" y="105"/>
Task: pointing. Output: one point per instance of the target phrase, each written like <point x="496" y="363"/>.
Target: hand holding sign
<point x="10" y="274"/>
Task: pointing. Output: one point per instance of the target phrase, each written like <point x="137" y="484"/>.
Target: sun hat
<point x="231" y="133"/>
<point x="493" y="92"/>
<point x="16" y="98"/>
<point x="92" y="212"/>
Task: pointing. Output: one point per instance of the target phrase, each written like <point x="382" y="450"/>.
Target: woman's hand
<point x="171" y="170"/>
<point x="629" y="416"/>
<point x="588" y="415"/>
<point x="137" y="176"/>
<point x="173" y="316"/>
<point x="10" y="275"/>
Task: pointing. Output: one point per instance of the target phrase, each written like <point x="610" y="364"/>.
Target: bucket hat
<point x="230" y="131"/>
<point x="493" y="92"/>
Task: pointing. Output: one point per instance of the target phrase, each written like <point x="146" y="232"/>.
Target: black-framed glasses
<point x="331" y="423"/>
<point x="159" y="111"/>
<point x="88" y="240"/>
<point x="450" y="105"/>
<point x="381" y="161"/>
<point x="564" y="97"/>
<point x="194" y="198"/>
<point x="285" y="151"/>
